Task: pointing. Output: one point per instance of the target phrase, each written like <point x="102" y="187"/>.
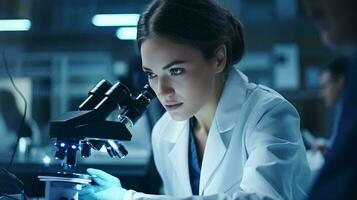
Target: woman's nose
<point x="164" y="88"/>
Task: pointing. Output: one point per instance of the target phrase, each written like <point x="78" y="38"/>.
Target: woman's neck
<point x="205" y="116"/>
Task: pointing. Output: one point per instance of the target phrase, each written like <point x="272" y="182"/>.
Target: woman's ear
<point x="220" y="58"/>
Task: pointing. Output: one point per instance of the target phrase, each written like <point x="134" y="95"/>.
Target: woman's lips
<point x="172" y="106"/>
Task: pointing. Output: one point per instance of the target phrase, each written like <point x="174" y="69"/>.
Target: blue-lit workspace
<point x="178" y="99"/>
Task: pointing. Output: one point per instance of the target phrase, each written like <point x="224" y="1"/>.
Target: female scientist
<point x="222" y="137"/>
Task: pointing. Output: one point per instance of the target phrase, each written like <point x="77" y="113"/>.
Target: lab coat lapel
<point x="232" y="98"/>
<point x="224" y="121"/>
<point x="178" y="157"/>
<point x="213" y="155"/>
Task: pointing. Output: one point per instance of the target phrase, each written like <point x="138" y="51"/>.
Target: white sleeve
<point x="276" y="165"/>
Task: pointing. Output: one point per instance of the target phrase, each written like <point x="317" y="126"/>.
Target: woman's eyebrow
<point x="146" y="69"/>
<point x="175" y="62"/>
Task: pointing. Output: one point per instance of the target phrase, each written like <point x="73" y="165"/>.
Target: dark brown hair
<point x="201" y="24"/>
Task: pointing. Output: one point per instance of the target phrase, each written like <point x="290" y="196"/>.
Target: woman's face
<point x="183" y="80"/>
<point x="331" y="89"/>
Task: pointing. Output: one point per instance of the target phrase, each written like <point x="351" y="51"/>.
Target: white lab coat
<point x="254" y="149"/>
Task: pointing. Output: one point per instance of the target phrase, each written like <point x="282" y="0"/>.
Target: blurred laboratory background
<point x="56" y="51"/>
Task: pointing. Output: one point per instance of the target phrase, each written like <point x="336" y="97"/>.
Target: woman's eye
<point x="150" y="75"/>
<point x="176" y="71"/>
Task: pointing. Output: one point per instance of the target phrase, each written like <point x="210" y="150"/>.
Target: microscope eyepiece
<point x="148" y="92"/>
<point x="95" y="95"/>
<point x="138" y="106"/>
<point x="116" y="96"/>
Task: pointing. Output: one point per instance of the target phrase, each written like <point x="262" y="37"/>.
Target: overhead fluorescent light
<point x="115" y="19"/>
<point x="127" y="33"/>
<point x="15" y="25"/>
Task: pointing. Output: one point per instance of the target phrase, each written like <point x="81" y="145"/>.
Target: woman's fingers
<point x="101" y="177"/>
<point x="90" y="190"/>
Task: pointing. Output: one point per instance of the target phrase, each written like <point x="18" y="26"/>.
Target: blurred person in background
<point x="332" y="83"/>
<point x="336" y="21"/>
<point x="222" y="136"/>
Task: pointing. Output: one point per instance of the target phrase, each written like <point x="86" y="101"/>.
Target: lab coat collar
<point x="214" y="153"/>
<point x="232" y="98"/>
<point x="175" y="129"/>
<point x="178" y="157"/>
<point x="225" y="119"/>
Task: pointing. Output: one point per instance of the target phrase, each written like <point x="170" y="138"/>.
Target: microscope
<point x="87" y="129"/>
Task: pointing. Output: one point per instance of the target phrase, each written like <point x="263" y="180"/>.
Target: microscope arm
<point x="89" y="125"/>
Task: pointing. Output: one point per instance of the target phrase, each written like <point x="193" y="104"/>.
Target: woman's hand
<point x="109" y="187"/>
